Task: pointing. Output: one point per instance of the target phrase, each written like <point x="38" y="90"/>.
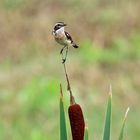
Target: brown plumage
<point x="76" y="121"/>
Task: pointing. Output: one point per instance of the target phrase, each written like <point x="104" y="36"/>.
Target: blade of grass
<point x="63" y="131"/>
<point x="86" y="132"/>
<point x="123" y="125"/>
<point x="108" y="117"/>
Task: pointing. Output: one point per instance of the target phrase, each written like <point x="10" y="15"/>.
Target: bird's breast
<point x="61" y="39"/>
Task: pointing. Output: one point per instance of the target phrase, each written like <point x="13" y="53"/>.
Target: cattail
<point x="75" y="114"/>
<point x="76" y="120"/>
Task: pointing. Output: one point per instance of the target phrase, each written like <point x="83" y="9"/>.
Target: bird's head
<point x="59" y="25"/>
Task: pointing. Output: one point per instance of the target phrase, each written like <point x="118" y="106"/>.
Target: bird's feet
<point x="63" y="61"/>
<point x="61" y="51"/>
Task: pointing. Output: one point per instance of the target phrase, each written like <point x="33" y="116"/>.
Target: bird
<point x="63" y="38"/>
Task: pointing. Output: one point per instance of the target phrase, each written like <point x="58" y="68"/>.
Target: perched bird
<point x="63" y="38"/>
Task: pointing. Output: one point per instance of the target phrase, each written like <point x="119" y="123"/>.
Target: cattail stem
<point x="72" y="101"/>
<point x="75" y="114"/>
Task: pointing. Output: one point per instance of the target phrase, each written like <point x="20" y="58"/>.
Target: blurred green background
<point x="108" y="33"/>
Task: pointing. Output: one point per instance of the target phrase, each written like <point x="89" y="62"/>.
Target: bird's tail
<point x="75" y="46"/>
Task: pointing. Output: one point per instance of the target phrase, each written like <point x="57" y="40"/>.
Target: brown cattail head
<point x="76" y="121"/>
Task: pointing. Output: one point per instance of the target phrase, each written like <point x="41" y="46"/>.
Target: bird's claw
<point x="61" y="51"/>
<point x="63" y="61"/>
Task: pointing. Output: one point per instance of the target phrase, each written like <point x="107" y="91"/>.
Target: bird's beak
<point x="64" y="24"/>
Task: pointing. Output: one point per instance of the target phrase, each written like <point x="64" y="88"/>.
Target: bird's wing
<point x="68" y="36"/>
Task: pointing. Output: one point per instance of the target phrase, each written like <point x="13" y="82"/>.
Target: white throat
<point x="60" y="31"/>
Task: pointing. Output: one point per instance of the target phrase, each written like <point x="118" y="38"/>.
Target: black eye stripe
<point x="57" y="27"/>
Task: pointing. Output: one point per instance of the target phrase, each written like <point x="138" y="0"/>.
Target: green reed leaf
<point x="63" y="131"/>
<point x="106" y="135"/>
<point x="86" y="133"/>
<point x="123" y="125"/>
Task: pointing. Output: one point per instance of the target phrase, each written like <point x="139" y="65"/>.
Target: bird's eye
<point x="57" y="27"/>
